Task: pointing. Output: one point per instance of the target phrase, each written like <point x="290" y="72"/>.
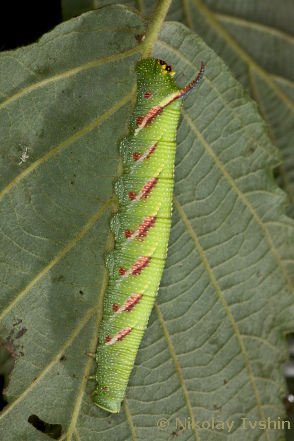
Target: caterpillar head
<point x="155" y="75"/>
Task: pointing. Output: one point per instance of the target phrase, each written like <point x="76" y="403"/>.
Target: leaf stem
<point x="155" y="23"/>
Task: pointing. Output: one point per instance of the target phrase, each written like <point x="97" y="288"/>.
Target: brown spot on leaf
<point x="21" y="333"/>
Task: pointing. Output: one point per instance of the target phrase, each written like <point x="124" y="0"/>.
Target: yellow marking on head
<point x="163" y="68"/>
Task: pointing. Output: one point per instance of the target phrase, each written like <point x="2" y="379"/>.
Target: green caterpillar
<point x="141" y="227"/>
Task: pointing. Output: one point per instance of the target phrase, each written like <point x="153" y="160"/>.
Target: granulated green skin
<point x="141" y="230"/>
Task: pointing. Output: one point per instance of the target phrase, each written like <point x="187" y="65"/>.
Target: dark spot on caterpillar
<point x="142" y="229"/>
<point x="129" y="304"/>
<point x="123" y="333"/>
<point x="145" y="226"/>
<point x="151" y="149"/>
<point x="146" y="190"/>
<point x="152" y="114"/>
<point x="148" y="187"/>
<point x="20" y="333"/>
<point x="137" y="268"/>
<point x="128" y="233"/>
<point x="163" y="63"/>
<point x="105" y="388"/>
<point x="147" y="95"/>
<point x="168" y="68"/>
<point x="63" y="358"/>
<point x="136" y="156"/>
<point x="132" y="301"/>
<point x="119" y="336"/>
<point x="141" y="263"/>
<point x="139" y="120"/>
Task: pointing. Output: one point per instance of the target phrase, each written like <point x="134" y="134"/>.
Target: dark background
<point x="24" y="22"/>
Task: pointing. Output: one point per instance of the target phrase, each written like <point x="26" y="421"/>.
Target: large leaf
<point x="214" y="345"/>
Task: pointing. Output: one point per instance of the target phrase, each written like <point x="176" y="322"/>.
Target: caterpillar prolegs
<point x="141" y="227"/>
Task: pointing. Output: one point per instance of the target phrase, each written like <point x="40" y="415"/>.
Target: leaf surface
<point x="214" y="344"/>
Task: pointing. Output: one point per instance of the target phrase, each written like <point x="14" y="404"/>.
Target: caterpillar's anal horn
<point x="184" y="92"/>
